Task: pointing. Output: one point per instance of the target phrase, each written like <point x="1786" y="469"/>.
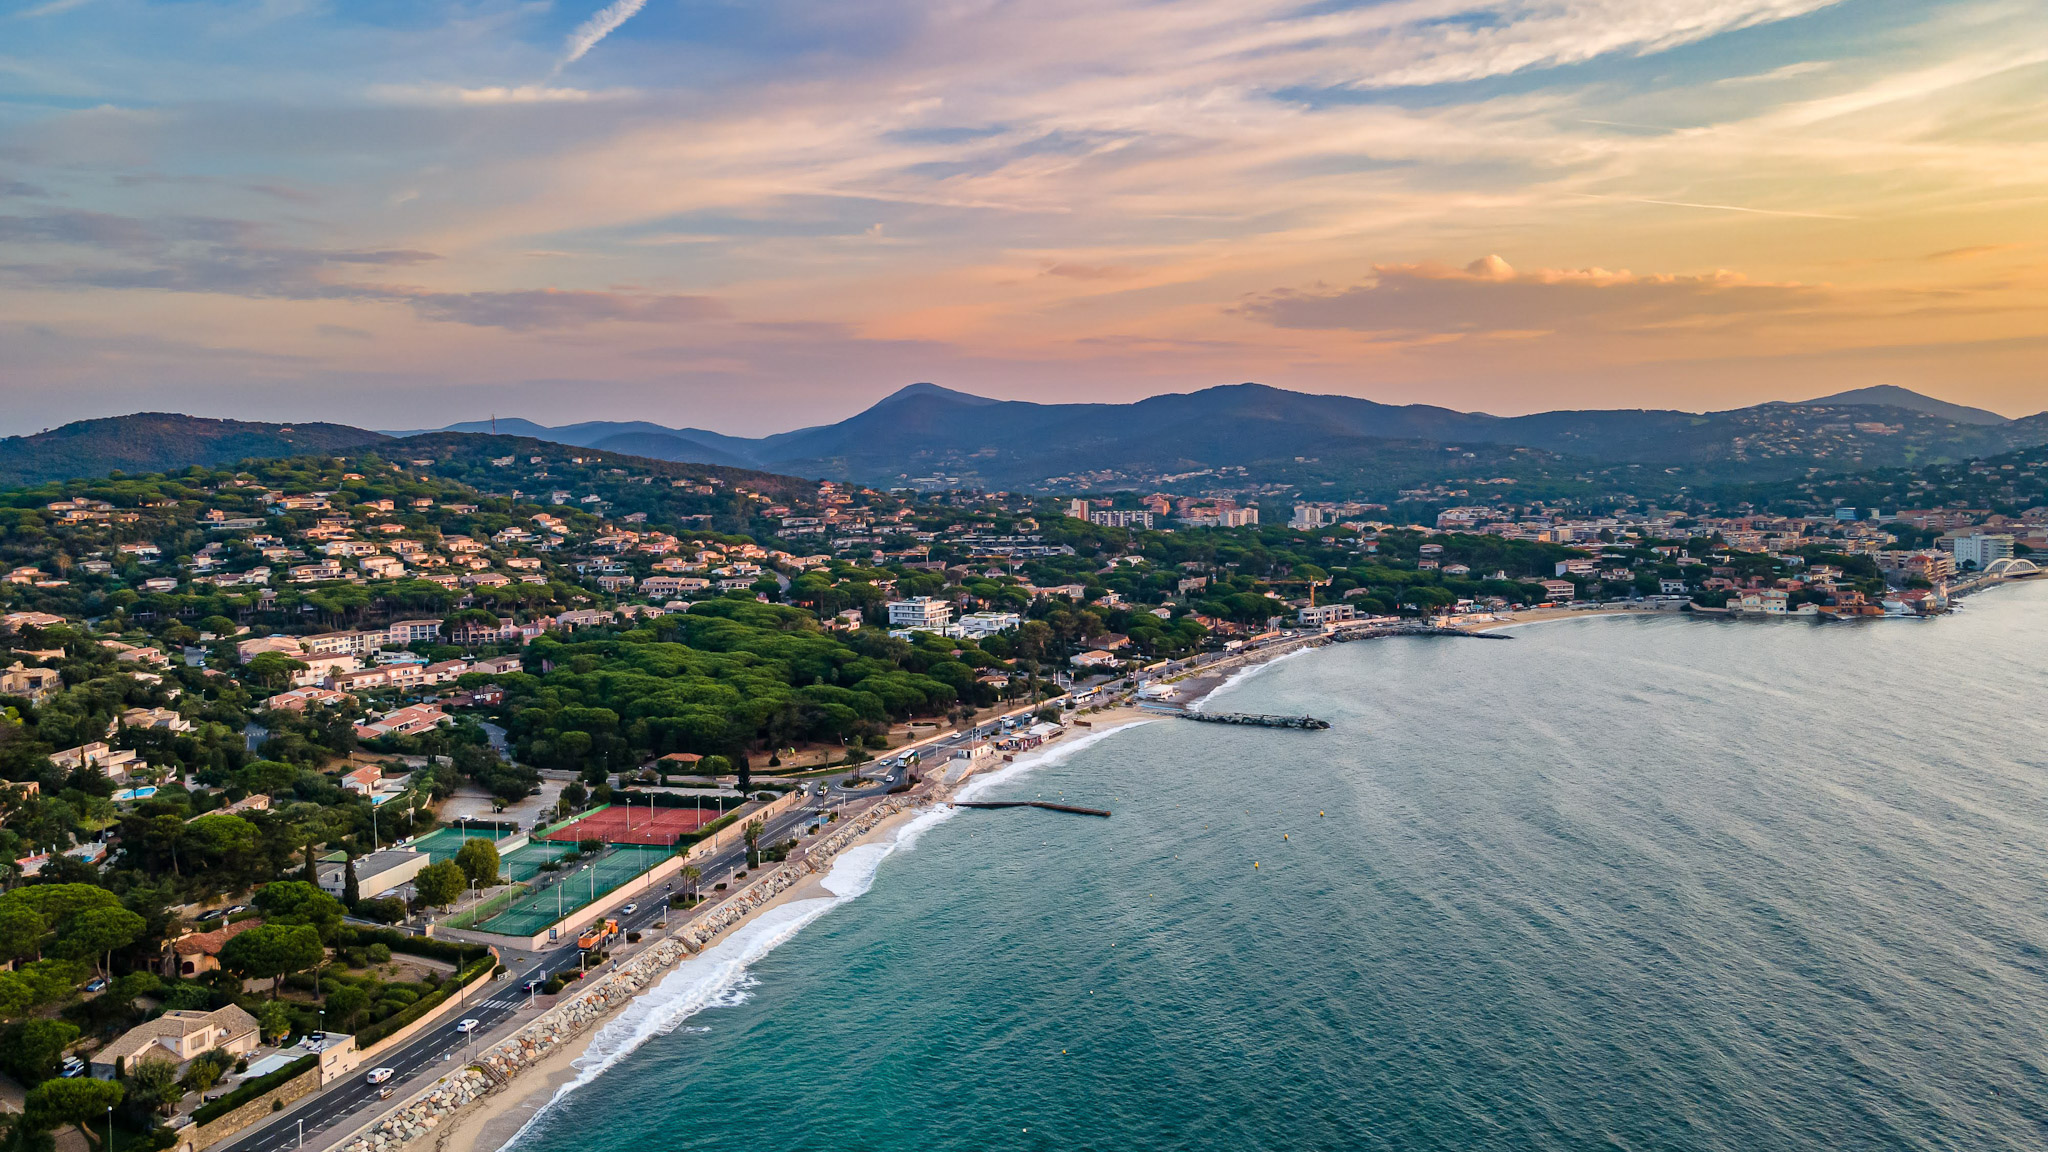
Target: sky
<point x="754" y="216"/>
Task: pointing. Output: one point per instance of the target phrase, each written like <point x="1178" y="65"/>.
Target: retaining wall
<point x="214" y="1131"/>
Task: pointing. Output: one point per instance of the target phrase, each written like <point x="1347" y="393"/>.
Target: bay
<point x="1637" y="883"/>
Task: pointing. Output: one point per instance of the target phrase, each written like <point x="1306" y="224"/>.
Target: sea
<point x="1618" y="883"/>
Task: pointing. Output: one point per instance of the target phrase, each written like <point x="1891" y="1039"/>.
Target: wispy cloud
<point x="600" y="25"/>
<point x="1489" y="296"/>
<point x="455" y="95"/>
<point x="51" y="9"/>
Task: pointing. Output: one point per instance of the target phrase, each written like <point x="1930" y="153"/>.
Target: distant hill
<point x="162" y="442"/>
<point x="667" y="446"/>
<point x="1893" y="396"/>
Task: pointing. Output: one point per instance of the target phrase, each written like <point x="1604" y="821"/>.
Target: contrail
<point x="599" y="26"/>
<point x="1715" y="207"/>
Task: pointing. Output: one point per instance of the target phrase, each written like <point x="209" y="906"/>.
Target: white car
<point x="467" y="1026"/>
<point x="629" y="909"/>
<point x="380" y="1075"/>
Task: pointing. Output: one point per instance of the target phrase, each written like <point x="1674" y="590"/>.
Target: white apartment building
<point x="976" y="625"/>
<point x="920" y="612"/>
<point x="1120" y="518"/>
<point x="1979" y="551"/>
<point x="1328" y="614"/>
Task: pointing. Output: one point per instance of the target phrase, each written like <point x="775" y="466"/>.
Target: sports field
<point x="443" y="843"/>
<point x="573" y="888"/>
<point x="624" y="824"/>
<point x="523" y="863"/>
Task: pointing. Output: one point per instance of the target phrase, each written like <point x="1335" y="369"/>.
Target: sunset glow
<point x="754" y="217"/>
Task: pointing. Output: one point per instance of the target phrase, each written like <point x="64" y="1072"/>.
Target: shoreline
<point x="486" y="1103"/>
<point x="491" y="1120"/>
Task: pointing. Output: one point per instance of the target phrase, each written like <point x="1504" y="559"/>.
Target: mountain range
<point x="941" y="437"/>
<point x="1244" y="435"/>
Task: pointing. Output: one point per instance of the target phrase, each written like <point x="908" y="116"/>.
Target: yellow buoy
<point x="1255" y="863"/>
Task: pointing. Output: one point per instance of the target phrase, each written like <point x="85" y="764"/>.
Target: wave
<point x="1053" y="755"/>
<point x="720" y="976"/>
<point x="1243" y="674"/>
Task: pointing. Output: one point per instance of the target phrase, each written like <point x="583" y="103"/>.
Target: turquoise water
<point x="1617" y="884"/>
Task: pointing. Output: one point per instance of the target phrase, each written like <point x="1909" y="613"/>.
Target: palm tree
<point x="752" y="835"/>
<point x="689" y="875"/>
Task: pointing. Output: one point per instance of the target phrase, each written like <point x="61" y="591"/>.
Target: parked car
<point x="96" y="984"/>
<point x="380" y="1075"/>
<point x="73" y="1067"/>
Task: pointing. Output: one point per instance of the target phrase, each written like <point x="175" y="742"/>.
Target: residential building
<point x="115" y="762"/>
<point x="1979" y="551"/>
<point x="403" y="632"/>
<point x="921" y="613"/>
<point x="162" y="718"/>
<point x="1093" y="660"/>
<point x="32" y="683"/>
<point x="1559" y="589"/>
<point x="178" y="1035"/>
<point x="1120" y="518"/>
<point x="197" y="953"/>
<point x="403" y="722"/>
<point x="1323" y="614"/>
<point x="976" y="625"/>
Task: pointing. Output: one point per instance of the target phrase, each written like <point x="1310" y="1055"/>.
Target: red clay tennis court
<point x="623" y="825"/>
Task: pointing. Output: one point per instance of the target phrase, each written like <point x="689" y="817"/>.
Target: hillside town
<point x="245" y="708"/>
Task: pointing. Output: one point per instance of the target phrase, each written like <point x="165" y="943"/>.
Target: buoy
<point x="1255" y="863"/>
<point x="1319" y="812"/>
<point x="1283" y="835"/>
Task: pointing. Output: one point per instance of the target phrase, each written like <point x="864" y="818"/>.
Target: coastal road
<point x="348" y="1103"/>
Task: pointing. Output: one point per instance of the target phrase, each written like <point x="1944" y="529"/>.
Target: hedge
<point x="709" y="830"/>
<point x="424" y="1004"/>
<point x="660" y="799"/>
<point x="426" y="946"/>
<point x="251" y="1089"/>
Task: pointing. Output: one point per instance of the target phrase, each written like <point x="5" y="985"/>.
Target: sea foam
<point x="1243" y="674"/>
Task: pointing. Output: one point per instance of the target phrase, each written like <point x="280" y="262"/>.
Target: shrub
<point x="380" y="953"/>
<point x="187" y="995"/>
<point x="553" y="986"/>
<point x="383" y="909"/>
<point x="588" y="846"/>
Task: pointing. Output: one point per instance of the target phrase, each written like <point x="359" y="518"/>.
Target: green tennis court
<point x="575" y="887"/>
<point x="523" y="863"/>
<point x="443" y="843"/>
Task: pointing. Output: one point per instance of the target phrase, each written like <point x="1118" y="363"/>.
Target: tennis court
<point x="443" y="843"/>
<point x="626" y="824"/>
<point x="523" y="863"/>
<point x="576" y="887"/>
